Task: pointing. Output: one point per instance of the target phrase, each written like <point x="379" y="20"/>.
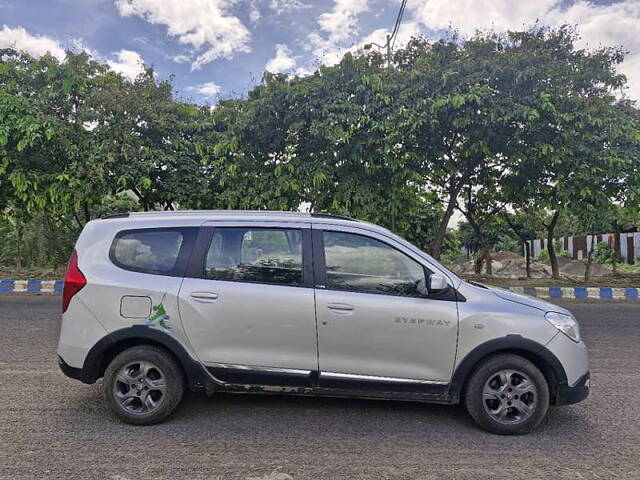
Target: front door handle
<point x="204" y="296"/>
<point x="343" y="307"/>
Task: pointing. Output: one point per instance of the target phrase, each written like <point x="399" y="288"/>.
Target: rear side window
<point x="257" y="255"/>
<point x="161" y="251"/>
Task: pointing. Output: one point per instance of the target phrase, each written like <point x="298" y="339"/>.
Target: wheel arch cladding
<point x="535" y="352"/>
<point x="105" y="350"/>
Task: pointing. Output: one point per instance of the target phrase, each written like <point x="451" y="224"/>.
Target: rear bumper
<point x="71" y="372"/>
<point x="567" y="395"/>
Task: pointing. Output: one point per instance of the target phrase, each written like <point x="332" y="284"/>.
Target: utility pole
<point x="388" y="45"/>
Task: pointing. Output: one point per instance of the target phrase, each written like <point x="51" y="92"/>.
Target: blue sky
<point x="220" y="48"/>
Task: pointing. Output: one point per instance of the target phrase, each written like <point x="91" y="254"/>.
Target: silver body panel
<point x="296" y="331"/>
<point x="107" y="284"/>
<point x="251" y="324"/>
<point x="385" y="335"/>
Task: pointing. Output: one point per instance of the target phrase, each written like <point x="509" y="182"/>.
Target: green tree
<point x="574" y="147"/>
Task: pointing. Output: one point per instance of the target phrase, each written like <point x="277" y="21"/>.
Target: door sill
<point x="392" y="385"/>
<point x="258" y="379"/>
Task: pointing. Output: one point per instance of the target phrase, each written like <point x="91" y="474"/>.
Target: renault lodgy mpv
<point x="304" y="304"/>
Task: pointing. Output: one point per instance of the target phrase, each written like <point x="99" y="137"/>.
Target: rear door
<point x="377" y="326"/>
<point x="247" y="303"/>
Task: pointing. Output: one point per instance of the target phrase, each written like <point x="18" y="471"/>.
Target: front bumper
<point x="566" y="395"/>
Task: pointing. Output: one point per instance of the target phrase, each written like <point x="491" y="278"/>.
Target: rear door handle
<point x="206" y="296"/>
<point x="343" y="307"/>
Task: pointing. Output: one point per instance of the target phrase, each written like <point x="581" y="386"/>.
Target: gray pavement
<point x="54" y="427"/>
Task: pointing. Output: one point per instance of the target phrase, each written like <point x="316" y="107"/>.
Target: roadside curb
<point x="628" y="294"/>
<point x="31" y="286"/>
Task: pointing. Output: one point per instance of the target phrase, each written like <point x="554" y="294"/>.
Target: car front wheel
<point x="143" y="385"/>
<point x="507" y="394"/>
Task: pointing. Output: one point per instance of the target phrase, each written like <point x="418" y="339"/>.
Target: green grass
<point x="630" y="269"/>
<point x="620" y="281"/>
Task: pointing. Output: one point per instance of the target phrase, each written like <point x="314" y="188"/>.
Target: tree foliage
<point x="517" y="131"/>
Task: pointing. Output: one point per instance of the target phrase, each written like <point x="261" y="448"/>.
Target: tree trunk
<point x="525" y="245"/>
<point x="614" y="253"/>
<point x="438" y="242"/>
<point x="553" y="259"/>
<point x="477" y="265"/>
<point x="19" y="245"/>
<point x="488" y="260"/>
<point x="87" y="213"/>
<point x="527" y="258"/>
<point x="587" y="270"/>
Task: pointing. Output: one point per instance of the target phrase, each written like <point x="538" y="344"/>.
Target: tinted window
<point x="260" y="255"/>
<point x="151" y="250"/>
<point x="363" y="264"/>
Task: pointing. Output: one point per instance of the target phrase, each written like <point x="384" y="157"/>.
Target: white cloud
<point x="324" y="50"/>
<point x="631" y="68"/>
<point x="181" y="58"/>
<point x="405" y="33"/>
<point x="286" y="6"/>
<point x="330" y="53"/>
<point x="471" y="15"/>
<point x="128" y="63"/>
<point x="255" y="15"/>
<point x="337" y="31"/>
<point x="610" y="25"/>
<point x="78" y="45"/>
<point x="205" y="25"/>
<point x="209" y="90"/>
<point x="283" y="61"/>
<point x="342" y="22"/>
<point x="34" y="45"/>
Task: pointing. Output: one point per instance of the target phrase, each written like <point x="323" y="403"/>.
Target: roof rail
<point x="116" y="215"/>
<point x="332" y="215"/>
<point x="229" y="212"/>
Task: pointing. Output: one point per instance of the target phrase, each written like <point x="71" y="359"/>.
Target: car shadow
<point x="265" y="417"/>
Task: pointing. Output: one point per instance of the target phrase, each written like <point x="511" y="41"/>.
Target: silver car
<point x="303" y="304"/>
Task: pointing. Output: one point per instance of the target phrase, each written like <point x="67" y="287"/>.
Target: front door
<point x="250" y="314"/>
<point x="377" y="325"/>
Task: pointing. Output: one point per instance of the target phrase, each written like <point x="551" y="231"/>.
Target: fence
<point x="626" y="244"/>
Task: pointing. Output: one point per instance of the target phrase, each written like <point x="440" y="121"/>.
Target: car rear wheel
<point x="507" y="394"/>
<point x="143" y="385"/>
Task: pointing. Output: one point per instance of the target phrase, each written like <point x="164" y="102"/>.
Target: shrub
<point x="604" y="254"/>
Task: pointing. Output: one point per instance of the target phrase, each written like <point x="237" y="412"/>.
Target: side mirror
<point x="437" y="283"/>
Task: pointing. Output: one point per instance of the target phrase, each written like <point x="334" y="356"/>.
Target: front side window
<point x="257" y="255"/>
<point x="363" y="264"/>
<point x="148" y="250"/>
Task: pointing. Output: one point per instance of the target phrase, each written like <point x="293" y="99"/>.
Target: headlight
<point x="565" y="323"/>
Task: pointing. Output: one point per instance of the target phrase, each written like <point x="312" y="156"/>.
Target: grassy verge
<point x="620" y="280"/>
<point x="31" y="273"/>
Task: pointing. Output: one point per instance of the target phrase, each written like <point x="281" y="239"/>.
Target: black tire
<point x="160" y="368"/>
<point x="489" y="370"/>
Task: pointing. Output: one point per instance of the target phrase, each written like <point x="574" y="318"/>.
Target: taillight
<point x="74" y="280"/>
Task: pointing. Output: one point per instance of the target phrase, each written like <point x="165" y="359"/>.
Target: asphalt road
<point x="54" y="427"/>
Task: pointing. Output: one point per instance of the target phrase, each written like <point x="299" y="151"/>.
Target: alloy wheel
<point x="509" y="396"/>
<point x="140" y="387"/>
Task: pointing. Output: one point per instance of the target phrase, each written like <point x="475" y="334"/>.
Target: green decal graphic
<point x="159" y="316"/>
